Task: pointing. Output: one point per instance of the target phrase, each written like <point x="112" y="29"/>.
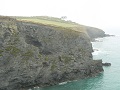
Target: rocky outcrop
<point x="95" y="32"/>
<point x="106" y="64"/>
<point x="35" y="54"/>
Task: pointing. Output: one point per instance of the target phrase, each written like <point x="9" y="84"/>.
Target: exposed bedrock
<point x="34" y="54"/>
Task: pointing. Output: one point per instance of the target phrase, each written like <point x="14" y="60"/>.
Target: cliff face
<point x="95" y="32"/>
<point x="36" y="54"/>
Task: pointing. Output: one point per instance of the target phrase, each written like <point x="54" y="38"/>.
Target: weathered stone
<point x="35" y="54"/>
<point x="106" y="64"/>
<point x="95" y="32"/>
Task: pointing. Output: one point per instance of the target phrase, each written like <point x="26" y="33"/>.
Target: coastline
<point x="43" y="55"/>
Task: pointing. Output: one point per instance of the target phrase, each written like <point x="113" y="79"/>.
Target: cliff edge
<point x="95" y="32"/>
<point x="35" y="54"/>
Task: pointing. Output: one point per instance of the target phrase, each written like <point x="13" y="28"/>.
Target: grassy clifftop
<point x="59" y="24"/>
<point x="48" y="21"/>
<point x="54" y="22"/>
<point x="63" y="25"/>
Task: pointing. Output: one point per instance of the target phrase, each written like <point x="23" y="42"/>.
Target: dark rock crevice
<point x="33" y="41"/>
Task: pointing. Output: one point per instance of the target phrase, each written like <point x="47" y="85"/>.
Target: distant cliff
<point x="95" y="32"/>
<point x="41" y="55"/>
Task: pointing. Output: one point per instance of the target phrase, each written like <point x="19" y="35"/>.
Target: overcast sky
<point x="104" y="14"/>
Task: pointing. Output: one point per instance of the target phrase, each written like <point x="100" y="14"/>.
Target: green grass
<point x="48" y="22"/>
<point x="27" y="55"/>
<point x="13" y="50"/>
<point x="66" y="59"/>
<point x="45" y="18"/>
<point x="52" y="21"/>
<point x="1" y="52"/>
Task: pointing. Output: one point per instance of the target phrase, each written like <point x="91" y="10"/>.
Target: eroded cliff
<point x="95" y="32"/>
<point x="42" y="55"/>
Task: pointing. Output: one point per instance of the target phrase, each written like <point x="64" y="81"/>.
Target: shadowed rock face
<point x="95" y="32"/>
<point x="32" y="54"/>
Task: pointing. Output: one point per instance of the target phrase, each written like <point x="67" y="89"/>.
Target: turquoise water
<point x="108" y="51"/>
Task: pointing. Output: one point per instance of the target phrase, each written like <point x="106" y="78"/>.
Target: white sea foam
<point x="62" y="83"/>
<point x="100" y="51"/>
<point x="99" y="39"/>
<point x="95" y="52"/>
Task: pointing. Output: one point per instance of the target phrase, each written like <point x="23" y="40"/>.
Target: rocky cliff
<point x="95" y="32"/>
<point x="42" y="55"/>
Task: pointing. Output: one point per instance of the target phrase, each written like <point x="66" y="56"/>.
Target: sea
<point x="107" y="49"/>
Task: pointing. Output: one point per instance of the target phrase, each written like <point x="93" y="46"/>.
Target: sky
<point x="104" y="14"/>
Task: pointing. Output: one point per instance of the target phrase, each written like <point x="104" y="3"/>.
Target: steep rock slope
<point x="95" y="32"/>
<point x="35" y="54"/>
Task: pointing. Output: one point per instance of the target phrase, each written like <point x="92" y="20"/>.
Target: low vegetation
<point x="48" y="21"/>
<point x="52" y="21"/>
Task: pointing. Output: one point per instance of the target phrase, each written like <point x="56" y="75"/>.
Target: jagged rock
<point x="95" y="33"/>
<point x="106" y="64"/>
<point x="35" y="54"/>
